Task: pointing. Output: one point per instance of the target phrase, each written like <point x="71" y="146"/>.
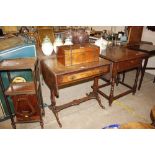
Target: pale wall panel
<point x="149" y="36"/>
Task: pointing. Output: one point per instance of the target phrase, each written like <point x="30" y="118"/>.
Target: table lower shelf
<point x="91" y="95"/>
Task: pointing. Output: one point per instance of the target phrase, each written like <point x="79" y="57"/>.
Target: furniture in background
<point x="42" y="33"/>
<point x="141" y="125"/>
<point x="1" y="33"/>
<point x="56" y="75"/>
<point x="123" y="59"/>
<point x="135" y="43"/>
<point x="134" y="34"/>
<point x="26" y="96"/>
<point x="10" y="29"/>
<point x="43" y="27"/>
<point x="12" y="48"/>
<point x="136" y="125"/>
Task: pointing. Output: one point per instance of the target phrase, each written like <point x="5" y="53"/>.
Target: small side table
<point x="150" y="50"/>
<point x="123" y="59"/>
<point x="26" y="96"/>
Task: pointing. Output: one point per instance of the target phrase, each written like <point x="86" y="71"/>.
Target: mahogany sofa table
<point x="123" y="59"/>
<point x="57" y="76"/>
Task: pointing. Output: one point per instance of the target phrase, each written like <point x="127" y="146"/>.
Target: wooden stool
<point x="152" y="115"/>
<point x="136" y="125"/>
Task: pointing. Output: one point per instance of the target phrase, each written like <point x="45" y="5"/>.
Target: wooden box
<point x="69" y="55"/>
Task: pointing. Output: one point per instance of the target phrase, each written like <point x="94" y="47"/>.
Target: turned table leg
<point x="113" y="79"/>
<point x="142" y="73"/>
<point x="95" y="88"/>
<point x="111" y="91"/>
<point x="53" y="107"/>
<point x="42" y="124"/>
<point x="136" y="80"/>
<point x="152" y="114"/>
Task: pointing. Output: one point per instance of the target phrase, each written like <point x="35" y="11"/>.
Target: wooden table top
<point x="119" y="53"/>
<point x="17" y="64"/>
<point x="56" y="67"/>
<point x="147" y="48"/>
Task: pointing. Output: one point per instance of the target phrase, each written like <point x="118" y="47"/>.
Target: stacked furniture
<point x="26" y="96"/>
<point x="12" y="48"/>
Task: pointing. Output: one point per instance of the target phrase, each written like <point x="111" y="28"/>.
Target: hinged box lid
<point x="76" y="54"/>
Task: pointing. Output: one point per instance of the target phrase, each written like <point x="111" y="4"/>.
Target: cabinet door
<point x="26" y="107"/>
<point x="135" y="34"/>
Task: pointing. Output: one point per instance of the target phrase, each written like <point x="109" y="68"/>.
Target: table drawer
<point x="121" y="66"/>
<point x="69" y="78"/>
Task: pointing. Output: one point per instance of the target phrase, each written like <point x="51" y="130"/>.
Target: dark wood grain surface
<point x="119" y="53"/>
<point x="17" y="64"/>
<point x="147" y="48"/>
<point x="77" y="54"/>
<point x="58" y="68"/>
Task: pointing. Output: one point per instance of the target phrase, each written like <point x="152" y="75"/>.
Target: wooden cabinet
<point x="26" y="108"/>
<point x="134" y="34"/>
<point x="12" y="48"/>
<point x="26" y="96"/>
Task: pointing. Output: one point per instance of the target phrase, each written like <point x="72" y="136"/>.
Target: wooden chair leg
<point x="123" y="77"/>
<point x="142" y="72"/>
<point x="136" y="80"/>
<point x="154" y="80"/>
<point x="152" y="115"/>
<point x="117" y="79"/>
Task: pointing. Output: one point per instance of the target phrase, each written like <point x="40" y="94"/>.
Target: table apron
<point x="73" y="77"/>
<point x="125" y="65"/>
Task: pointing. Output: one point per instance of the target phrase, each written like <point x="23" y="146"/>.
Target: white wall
<point x="149" y="36"/>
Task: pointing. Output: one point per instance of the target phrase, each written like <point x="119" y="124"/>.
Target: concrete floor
<point x="89" y="115"/>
